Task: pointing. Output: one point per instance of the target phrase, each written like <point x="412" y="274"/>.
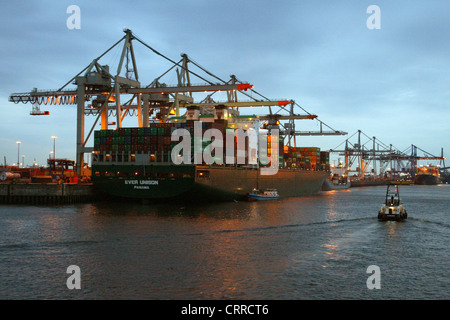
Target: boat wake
<point x="438" y="223"/>
<point x="288" y="226"/>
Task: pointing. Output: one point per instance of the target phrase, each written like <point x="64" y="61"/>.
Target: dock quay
<point x="46" y="193"/>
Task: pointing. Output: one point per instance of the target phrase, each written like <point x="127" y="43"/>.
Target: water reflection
<point x="309" y="247"/>
<point x="331" y="247"/>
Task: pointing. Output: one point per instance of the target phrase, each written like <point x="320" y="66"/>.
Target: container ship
<point x="137" y="163"/>
<point x="428" y="175"/>
<point x="338" y="178"/>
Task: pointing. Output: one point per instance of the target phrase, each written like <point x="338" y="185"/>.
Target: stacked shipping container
<point x="155" y="140"/>
<point x="307" y="158"/>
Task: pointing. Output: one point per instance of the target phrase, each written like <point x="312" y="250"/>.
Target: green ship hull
<point x="200" y="183"/>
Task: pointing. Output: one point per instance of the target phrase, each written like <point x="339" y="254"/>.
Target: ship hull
<point x="201" y="183"/>
<point x="426" y="179"/>
<point x="255" y="197"/>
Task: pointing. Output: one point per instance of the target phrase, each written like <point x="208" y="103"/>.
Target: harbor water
<point x="317" y="247"/>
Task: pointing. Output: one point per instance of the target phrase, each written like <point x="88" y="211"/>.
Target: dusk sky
<point x="391" y="83"/>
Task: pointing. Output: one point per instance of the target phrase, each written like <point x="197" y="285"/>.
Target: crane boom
<point x="69" y="96"/>
<point x="98" y="91"/>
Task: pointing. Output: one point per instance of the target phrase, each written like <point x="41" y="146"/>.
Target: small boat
<point x="268" y="194"/>
<point x="392" y="209"/>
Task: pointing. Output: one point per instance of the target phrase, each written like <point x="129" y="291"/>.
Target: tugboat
<point x="268" y="194"/>
<point x="392" y="209"/>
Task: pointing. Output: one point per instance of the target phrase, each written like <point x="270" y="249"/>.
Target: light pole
<point x="23" y="161"/>
<point x="54" y="144"/>
<point x="18" y="152"/>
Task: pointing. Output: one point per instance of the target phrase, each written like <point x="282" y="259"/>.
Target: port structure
<point x="101" y="93"/>
<point x="361" y="160"/>
<point x="36" y="111"/>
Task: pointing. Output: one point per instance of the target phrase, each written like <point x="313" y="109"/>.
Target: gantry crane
<point x="100" y="92"/>
<point x="380" y="157"/>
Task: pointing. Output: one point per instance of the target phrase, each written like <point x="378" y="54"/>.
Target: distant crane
<point x="381" y="156"/>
